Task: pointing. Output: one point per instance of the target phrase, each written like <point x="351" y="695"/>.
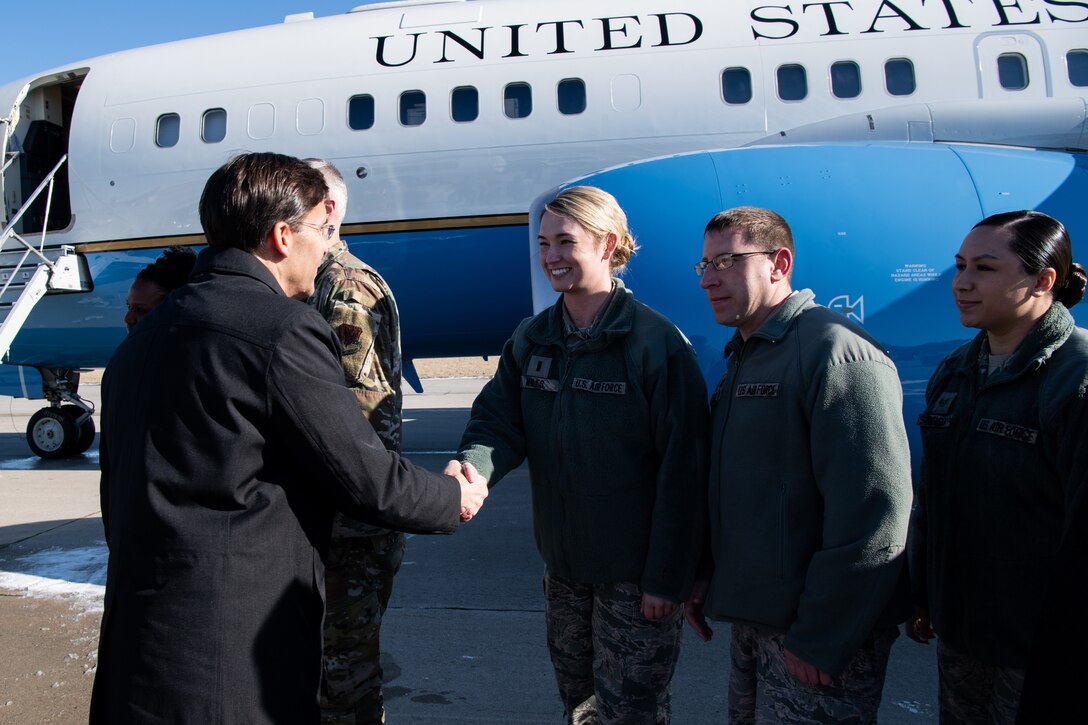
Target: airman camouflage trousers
<point x="613" y="666"/>
<point x="763" y="692"/>
<point x="974" y="693"/>
<point x="359" y="573"/>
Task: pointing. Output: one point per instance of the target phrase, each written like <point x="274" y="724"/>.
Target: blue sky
<point x="44" y="35"/>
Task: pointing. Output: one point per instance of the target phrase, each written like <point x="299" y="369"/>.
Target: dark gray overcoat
<point x="228" y="437"/>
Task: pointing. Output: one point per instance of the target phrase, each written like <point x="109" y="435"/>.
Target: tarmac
<point x="463" y="641"/>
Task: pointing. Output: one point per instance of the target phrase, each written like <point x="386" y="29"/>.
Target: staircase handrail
<point x="10" y="226"/>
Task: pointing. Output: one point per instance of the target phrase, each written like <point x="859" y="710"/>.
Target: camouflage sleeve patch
<point x="363" y="314"/>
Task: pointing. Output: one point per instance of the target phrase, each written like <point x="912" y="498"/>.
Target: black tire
<point x="52" y="433"/>
<point x="86" y="429"/>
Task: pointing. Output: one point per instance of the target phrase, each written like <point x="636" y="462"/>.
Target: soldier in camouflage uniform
<point x="363" y="559"/>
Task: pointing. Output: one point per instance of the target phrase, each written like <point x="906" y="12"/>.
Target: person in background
<point x="155" y="281"/>
<point x="363" y="559"/>
<point x="605" y="398"/>
<point x="810" y="489"/>
<point x="1005" y="454"/>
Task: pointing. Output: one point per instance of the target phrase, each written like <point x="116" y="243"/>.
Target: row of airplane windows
<point x="791" y="84"/>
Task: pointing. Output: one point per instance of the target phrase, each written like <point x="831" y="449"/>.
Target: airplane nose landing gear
<point x="52" y="433"/>
<point x="65" y="428"/>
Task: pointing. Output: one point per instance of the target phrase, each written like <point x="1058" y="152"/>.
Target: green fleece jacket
<point x="615" y="434"/>
<point x="1001" y="465"/>
<point x="810" y="485"/>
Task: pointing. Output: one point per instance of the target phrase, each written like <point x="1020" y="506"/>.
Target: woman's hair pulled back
<point x="1040" y="241"/>
<point x="600" y="214"/>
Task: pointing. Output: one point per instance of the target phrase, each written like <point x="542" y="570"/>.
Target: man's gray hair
<point x="338" y="190"/>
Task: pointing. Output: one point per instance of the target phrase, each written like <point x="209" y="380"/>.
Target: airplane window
<point x="792" y="82"/>
<point x="571" y="95"/>
<point x="736" y="85"/>
<point x="360" y="112"/>
<point x="517" y="100"/>
<point x="1012" y="71"/>
<point x="262" y="121"/>
<point x="465" y="104"/>
<point x="899" y="77"/>
<point x="845" y="79"/>
<point x="413" y="108"/>
<point x="167" y="130"/>
<point x="1077" y="62"/>
<point x="213" y="127"/>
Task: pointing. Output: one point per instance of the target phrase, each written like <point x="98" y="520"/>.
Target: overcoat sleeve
<point x="313" y="410"/>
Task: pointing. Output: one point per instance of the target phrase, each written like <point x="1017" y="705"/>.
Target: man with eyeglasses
<point x="810" y="489"/>
<point x="228" y="439"/>
<point x="363" y="559"/>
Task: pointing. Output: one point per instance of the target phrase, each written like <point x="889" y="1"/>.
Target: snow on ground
<point x="77" y="575"/>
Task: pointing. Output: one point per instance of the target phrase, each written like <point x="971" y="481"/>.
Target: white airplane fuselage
<point x="441" y="185"/>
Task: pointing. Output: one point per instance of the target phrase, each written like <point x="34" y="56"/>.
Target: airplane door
<point x="35" y="137"/>
<point x="1011" y="66"/>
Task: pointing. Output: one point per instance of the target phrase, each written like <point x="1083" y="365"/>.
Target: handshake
<point x="473" y="487"/>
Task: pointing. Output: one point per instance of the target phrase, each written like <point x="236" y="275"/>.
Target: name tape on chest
<point x="594" y="386"/>
<point x="546" y="384"/>
<point x="1008" y="430"/>
<point x="757" y="390"/>
<point x="932" y="420"/>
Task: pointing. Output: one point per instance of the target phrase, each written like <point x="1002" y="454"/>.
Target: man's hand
<point x="919" y="627"/>
<point x="473" y="487"/>
<point x="805" y="672"/>
<point x="693" y="610"/>
<point x="654" y="608"/>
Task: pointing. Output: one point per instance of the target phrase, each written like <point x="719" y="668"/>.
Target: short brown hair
<point x="247" y="196"/>
<point x="765" y="228"/>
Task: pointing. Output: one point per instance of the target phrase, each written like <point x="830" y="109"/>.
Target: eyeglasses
<point x="327" y="229"/>
<point x="724" y="261"/>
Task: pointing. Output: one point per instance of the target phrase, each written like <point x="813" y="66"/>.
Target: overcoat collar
<point x="234" y="261"/>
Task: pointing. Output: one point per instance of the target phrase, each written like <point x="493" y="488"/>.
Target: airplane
<point x="881" y="130"/>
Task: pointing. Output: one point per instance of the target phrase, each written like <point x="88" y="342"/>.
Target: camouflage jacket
<point x="359" y="306"/>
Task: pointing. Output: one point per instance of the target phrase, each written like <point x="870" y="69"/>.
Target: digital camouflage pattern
<point x="974" y="692"/>
<point x="763" y="692"/>
<point x="612" y="664"/>
<point x="359" y="306"/>
<point x="358" y="584"/>
<point x="363" y="559"/>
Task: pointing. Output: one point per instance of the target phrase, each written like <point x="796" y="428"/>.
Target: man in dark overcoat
<point x="228" y="438"/>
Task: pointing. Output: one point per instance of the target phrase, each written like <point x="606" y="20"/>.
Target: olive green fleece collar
<point x="774" y="328"/>
<point x="1052" y="330"/>
<point x="616" y="321"/>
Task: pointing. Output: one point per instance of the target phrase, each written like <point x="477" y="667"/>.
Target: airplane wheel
<point x="86" y="430"/>
<point x="52" y="433"/>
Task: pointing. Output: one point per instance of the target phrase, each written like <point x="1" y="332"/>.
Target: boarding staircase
<point x="30" y="269"/>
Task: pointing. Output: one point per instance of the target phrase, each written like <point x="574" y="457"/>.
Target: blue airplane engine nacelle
<point x="875" y="226"/>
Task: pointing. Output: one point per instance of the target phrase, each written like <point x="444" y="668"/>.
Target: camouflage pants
<point x="972" y="692"/>
<point x="358" y="582"/>
<point x="613" y="666"/>
<point x="763" y="692"/>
